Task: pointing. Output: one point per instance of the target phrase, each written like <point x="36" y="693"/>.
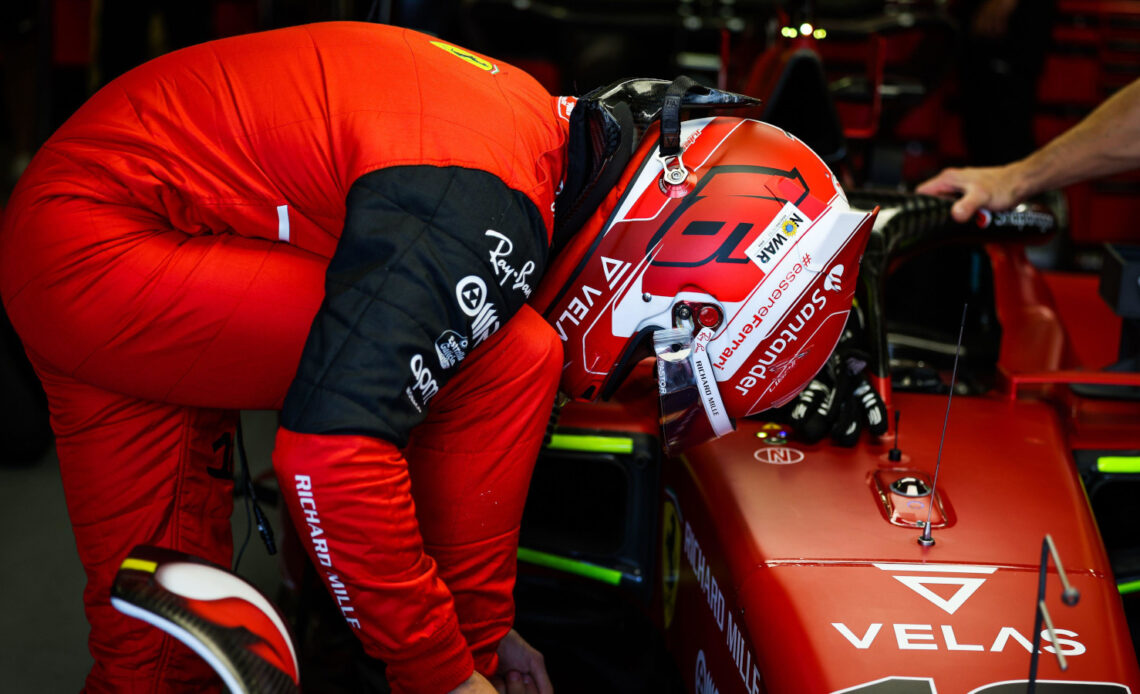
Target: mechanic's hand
<point x="991" y="187"/>
<point x="840" y="399"/>
<point x="476" y="684"/>
<point x="522" y="669"/>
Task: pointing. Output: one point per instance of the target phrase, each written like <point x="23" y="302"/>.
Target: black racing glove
<point x="840" y="400"/>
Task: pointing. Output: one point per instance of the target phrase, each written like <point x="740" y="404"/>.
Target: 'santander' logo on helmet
<point x="797" y="328"/>
<point x="787" y="283"/>
<point x="777" y="303"/>
<point x="775" y="347"/>
<point x="833" y="283"/>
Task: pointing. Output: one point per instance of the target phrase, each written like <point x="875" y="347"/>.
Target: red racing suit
<point x="343" y="220"/>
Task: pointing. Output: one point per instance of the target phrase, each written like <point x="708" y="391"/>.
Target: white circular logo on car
<point x="779" y="456"/>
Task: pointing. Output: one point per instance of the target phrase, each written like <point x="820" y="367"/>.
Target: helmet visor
<point x="691" y="408"/>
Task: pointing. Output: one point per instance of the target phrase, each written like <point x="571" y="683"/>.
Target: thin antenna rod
<point x="925" y="539"/>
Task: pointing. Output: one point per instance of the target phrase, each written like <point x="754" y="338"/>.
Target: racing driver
<point x="350" y="222"/>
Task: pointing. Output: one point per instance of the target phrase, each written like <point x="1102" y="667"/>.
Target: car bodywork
<point x="770" y="565"/>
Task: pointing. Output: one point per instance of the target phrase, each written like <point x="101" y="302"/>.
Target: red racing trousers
<point x="149" y="341"/>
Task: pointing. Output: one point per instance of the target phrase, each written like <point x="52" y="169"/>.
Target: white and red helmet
<point x="733" y="257"/>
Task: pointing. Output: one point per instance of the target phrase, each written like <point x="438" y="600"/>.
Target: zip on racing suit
<point x="163" y="259"/>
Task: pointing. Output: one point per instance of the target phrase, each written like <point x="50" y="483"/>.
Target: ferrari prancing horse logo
<point x="468" y="57"/>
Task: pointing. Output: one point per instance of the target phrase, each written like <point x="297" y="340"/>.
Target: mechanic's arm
<point x="1107" y="141"/>
<point x="414" y="266"/>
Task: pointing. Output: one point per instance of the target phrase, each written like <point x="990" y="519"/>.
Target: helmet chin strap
<point x="669" y="150"/>
<point x="670" y="142"/>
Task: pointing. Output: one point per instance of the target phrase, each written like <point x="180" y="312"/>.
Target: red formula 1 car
<point x="911" y="562"/>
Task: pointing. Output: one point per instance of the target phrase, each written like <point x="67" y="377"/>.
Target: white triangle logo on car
<point x="967" y="586"/>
